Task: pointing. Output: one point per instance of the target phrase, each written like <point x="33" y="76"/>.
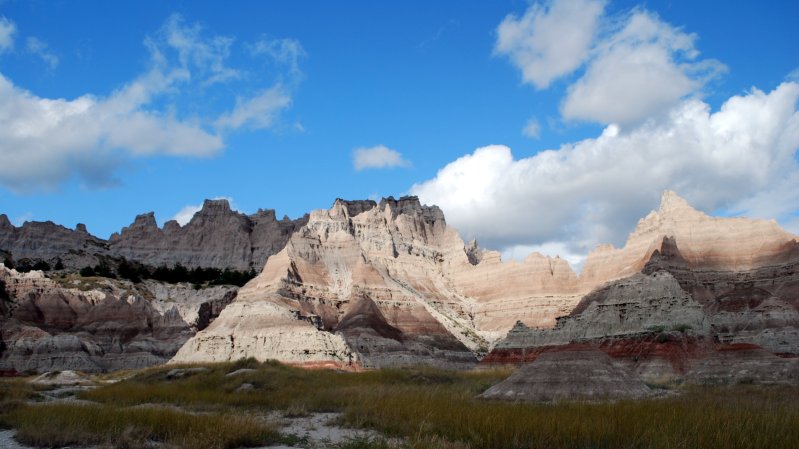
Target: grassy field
<point x="421" y="407"/>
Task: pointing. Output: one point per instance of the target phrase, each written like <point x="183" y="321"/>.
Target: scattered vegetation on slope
<point x="135" y="272"/>
<point x="425" y="408"/>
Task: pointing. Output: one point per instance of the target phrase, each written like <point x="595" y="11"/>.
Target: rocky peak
<point x="215" y="207"/>
<point x="4" y="222"/>
<point x="145" y="221"/>
<point x="411" y="206"/>
<point x="80" y="227"/>
<point x="352" y="207"/>
<point x="171" y="227"/>
<point x="473" y="252"/>
<point x="266" y="215"/>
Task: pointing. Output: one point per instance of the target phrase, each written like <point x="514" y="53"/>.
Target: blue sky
<point x="110" y="109"/>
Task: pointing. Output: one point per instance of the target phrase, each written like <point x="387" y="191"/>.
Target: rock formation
<point x="384" y="284"/>
<point x="745" y="364"/>
<point x="95" y="325"/>
<point x="569" y="375"/>
<point x="360" y="283"/>
<point x="215" y="237"/>
<point x="48" y="241"/>
<point x="684" y="285"/>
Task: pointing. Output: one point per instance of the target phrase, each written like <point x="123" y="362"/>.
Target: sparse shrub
<point x="87" y="272"/>
<point x="682" y="328"/>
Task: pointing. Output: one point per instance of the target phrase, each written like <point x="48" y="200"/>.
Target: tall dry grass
<point x="429" y="408"/>
<point x="57" y="425"/>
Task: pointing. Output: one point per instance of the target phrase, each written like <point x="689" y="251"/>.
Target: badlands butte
<point x="370" y="284"/>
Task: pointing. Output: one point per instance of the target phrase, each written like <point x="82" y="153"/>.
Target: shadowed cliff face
<point x="216" y="237"/>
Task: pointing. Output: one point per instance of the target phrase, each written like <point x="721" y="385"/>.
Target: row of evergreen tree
<point x="173" y="275"/>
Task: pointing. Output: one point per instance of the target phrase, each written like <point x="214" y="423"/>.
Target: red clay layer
<point x="678" y="351"/>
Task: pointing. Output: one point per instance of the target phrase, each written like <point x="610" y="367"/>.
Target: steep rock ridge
<point x="216" y="236"/>
<point x="758" y="305"/>
<point x="361" y="283"/>
<point x="49" y="241"/>
<point x="706" y="242"/>
<point x="98" y="325"/>
<point x="668" y="318"/>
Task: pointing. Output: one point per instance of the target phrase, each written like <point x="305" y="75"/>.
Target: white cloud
<point x="257" y="112"/>
<point x="378" y="156"/>
<point x="47" y="141"/>
<point x="40" y="48"/>
<point x="185" y="214"/>
<point x="742" y="158"/>
<point x="643" y="69"/>
<point x="7" y="31"/>
<point x="550" y="41"/>
<point x="532" y="129"/>
<point x="205" y="58"/>
<point x="284" y="51"/>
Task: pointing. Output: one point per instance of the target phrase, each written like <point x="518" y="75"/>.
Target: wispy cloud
<point x="7" y="31"/>
<point x="38" y="47"/>
<point x="532" y="129"/>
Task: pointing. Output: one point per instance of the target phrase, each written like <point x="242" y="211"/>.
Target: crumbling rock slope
<point x="684" y="286"/>
<point x="97" y="325"/>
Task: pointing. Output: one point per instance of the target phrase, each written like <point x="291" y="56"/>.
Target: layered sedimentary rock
<point x="216" y="236"/>
<point x="569" y="375"/>
<point x="745" y="364"/>
<point x="360" y="283"/>
<point x="708" y="243"/>
<point x="96" y="325"/>
<point x="686" y="285"/>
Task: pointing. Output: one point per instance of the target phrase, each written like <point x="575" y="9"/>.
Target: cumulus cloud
<point x="741" y="158"/>
<point x="549" y="41"/>
<point x="7" y="31"/>
<point x="378" y="156"/>
<point x="47" y="141"/>
<point x="644" y="68"/>
<point x="38" y="47"/>
<point x="44" y="141"/>
<point x="635" y="65"/>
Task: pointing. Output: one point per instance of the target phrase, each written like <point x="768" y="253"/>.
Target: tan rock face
<point x="732" y="244"/>
<point x="395" y="284"/>
<point x="362" y="283"/>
